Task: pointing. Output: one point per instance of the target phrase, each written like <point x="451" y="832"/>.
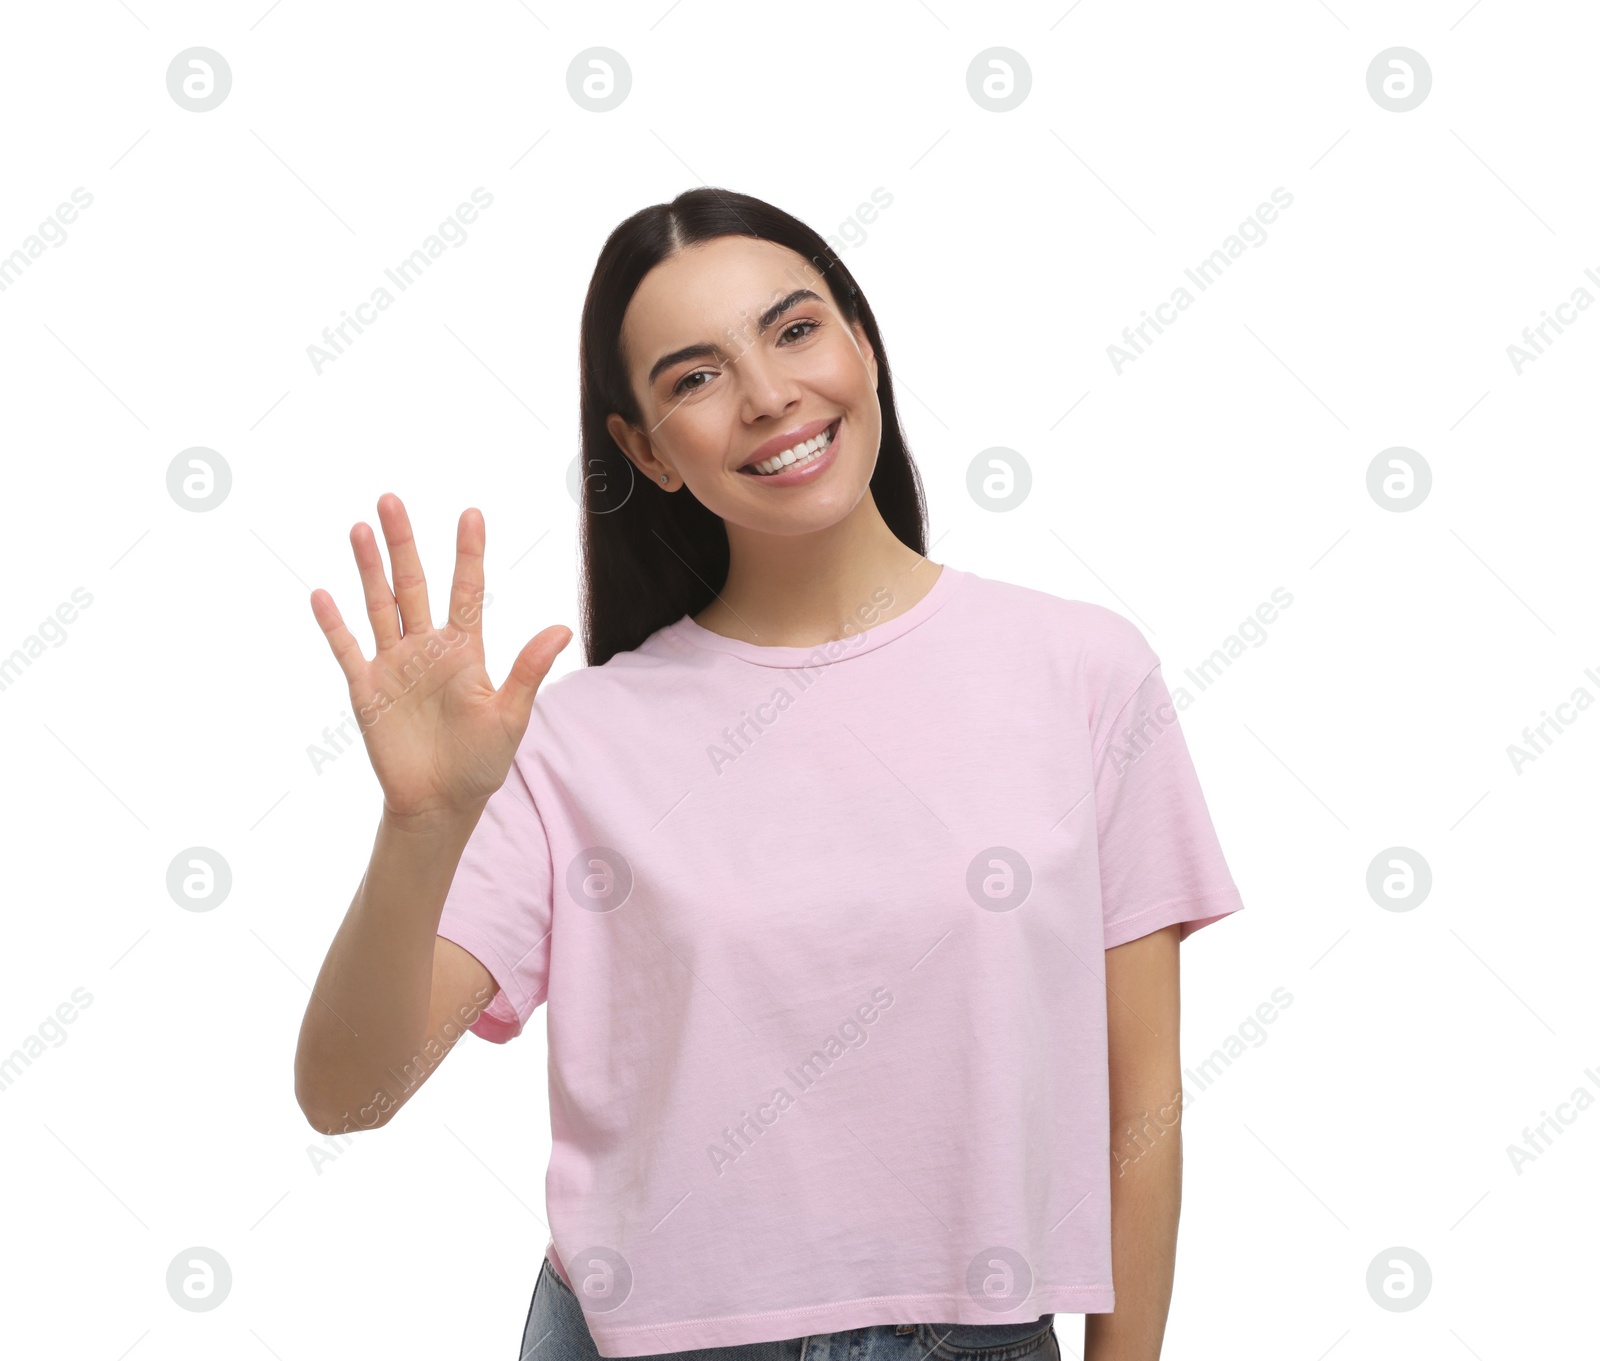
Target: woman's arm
<point x="1146" y="1146"/>
<point x="394" y="995"/>
<point x="375" y="1027"/>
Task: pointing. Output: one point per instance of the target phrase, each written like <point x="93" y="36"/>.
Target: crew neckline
<point x="836" y="650"/>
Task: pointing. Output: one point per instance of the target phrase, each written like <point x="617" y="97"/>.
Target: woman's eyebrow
<point x="708" y="351"/>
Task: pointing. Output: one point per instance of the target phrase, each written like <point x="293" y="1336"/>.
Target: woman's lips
<point x="796" y="473"/>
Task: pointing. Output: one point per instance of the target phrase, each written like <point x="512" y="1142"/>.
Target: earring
<point x="663" y="479"/>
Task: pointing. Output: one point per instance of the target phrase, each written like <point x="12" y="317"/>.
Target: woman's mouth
<point x="799" y="463"/>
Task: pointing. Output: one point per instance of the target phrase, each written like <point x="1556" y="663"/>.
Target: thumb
<point x="532" y="665"/>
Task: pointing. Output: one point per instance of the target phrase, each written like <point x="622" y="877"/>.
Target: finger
<point x="466" y="590"/>
<point x="528" y="672"/>
<point x="346" y="651"/>
<point x="410" y="587"/>
<point x="375" y="586"/>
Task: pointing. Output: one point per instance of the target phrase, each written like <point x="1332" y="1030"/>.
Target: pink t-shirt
<point x="821" y="934"/>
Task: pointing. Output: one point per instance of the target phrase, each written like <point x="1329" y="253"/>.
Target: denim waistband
<point x="557" y="1328"/>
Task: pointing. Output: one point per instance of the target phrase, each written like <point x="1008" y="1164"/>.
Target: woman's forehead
<point x="718" y="280"/>
<point x="711" y="290"/>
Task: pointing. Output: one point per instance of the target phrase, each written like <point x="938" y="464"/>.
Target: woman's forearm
<point x="1146" y="1091"/>
<point x="370" y="1006"/>
<point x="1146" y="1190"/>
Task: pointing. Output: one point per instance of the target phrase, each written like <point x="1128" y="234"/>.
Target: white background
<point x="1229" y="459"/>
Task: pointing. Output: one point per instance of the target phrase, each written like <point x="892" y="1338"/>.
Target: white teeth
<point x="801" y="453"/>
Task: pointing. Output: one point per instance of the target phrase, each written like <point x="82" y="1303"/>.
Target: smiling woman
<point x="720" y="333"/>
<point x="949" y="822"/>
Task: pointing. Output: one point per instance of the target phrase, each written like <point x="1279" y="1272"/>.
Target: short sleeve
<point x="1160" y="861"/>
<point x="498" y="907"/>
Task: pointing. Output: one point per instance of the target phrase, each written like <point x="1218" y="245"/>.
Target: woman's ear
<point x="865" y="346"/>
<point x="632" y="442"/>
<point x="635" y="445"/>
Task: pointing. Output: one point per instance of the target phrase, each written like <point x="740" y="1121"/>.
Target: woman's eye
<point x="684" y="386"/>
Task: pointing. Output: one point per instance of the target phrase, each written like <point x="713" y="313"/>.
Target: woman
<point x="827" y="863"/>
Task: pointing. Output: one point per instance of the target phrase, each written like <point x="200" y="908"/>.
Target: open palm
<point x="440" y="736"/>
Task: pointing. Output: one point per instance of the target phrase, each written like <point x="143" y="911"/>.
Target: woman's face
<point x="736" y="353"/>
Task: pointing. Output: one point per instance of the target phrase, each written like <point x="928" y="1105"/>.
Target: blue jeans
<point x="556" y="1331"/>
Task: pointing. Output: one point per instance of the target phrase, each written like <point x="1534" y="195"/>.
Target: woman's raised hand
<point x="439" y="735"/>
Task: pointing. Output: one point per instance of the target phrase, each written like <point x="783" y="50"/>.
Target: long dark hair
<point x="649" y="556"/>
